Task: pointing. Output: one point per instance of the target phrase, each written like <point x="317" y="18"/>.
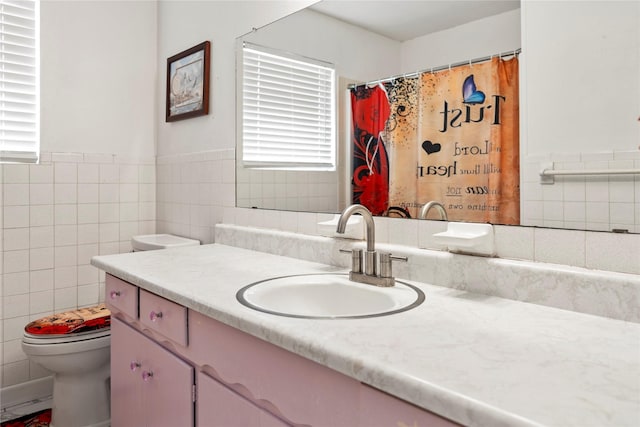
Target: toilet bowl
<point x="75" y="347"/>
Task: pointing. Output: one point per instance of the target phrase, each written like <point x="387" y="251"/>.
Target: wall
<point x="196" y="171"/>
<point x="477" y="39"/>
<point x="107" y="140"/>
<point x="194" y="212"/>
<point x="184" y="24"/>
<point x="356" y="53"/>
<point x="95" y="185"/>
<point x="362" y="56"/>
<point x="580" y="104"/>
<point x="98" y="77"/>
<point x="571" y="248"/>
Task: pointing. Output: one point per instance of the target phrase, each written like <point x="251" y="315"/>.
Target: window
<point x="19" y="81"/>
<point x="288" y="111"/>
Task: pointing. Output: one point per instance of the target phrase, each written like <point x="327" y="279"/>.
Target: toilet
<point x="150" y="242"/>
<point x="75" y="346"/>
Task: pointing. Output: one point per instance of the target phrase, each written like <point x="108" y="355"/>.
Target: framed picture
<point x="188" y="83"/>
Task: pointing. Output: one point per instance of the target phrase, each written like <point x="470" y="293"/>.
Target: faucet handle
<point x="385" y="263"/>
<point x="356" y="259"/>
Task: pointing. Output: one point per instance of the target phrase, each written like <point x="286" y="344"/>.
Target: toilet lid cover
<point x="80" y="320"/>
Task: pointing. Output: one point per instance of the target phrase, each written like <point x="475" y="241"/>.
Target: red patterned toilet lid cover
<point x="80" y="320"/>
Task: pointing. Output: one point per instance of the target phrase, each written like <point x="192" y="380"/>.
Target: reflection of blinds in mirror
<point x="287" y="111"/>
<point x="19" y="76"/>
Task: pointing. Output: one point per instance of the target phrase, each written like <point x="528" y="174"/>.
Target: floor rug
<point x="39" y="419"/>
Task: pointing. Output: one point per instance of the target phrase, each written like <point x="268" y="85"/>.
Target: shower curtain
<point x="370" y="111"/>
<point x="453" y="137"/>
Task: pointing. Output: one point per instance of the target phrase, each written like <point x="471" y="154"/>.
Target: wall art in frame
<point x="188" y="83"/>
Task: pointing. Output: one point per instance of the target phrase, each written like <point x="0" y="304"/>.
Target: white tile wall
<point x="55" y="216"/>
<point x="81" y="205"/>
<point x="315" y="191"/>
<point x="582" y="202"/>
<point x="192" y="191"/>
<point x="588" y="249"/>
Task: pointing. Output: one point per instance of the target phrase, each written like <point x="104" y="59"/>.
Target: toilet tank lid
<point x="150" y="242"/>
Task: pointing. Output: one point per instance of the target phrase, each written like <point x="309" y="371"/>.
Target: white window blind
<point x="288" y="111"/>
<point x="19" y="81"/>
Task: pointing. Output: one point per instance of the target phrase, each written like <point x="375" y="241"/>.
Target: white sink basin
<point x="327" y="296"/>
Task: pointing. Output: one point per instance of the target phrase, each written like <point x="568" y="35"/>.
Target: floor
<point x="36" y="413"/>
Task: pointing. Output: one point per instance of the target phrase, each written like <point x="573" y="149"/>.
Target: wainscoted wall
<point x="56" y="215"/>
<point x="313" y="191"/>
<point x="193" y="190"/>
<point x="591" y="250"/>
<point x="581" y="202"/>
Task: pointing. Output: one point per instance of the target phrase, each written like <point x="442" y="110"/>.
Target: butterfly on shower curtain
<point x="470" y="94"/>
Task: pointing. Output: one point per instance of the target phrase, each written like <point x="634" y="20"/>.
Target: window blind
<point x="288" y="111"/>
<point x="19" y="81"/>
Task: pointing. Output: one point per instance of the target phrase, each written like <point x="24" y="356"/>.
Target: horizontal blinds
<point x="19" y="81"/>
<point x="288" y="111"/>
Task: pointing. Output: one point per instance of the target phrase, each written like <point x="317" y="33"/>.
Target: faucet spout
<point x="433" y="204"/>
<point x="368" y="220"/>
<point x="370" y="275"/>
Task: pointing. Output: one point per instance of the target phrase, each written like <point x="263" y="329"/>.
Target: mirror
<point x="369" y="41"/>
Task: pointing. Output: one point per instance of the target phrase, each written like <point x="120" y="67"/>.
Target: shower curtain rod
<point x="440" y="68"/>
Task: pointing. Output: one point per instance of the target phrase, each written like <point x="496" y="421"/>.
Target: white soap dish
<point x="468" y="238"/>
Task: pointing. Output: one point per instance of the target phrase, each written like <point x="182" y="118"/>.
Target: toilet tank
<point x="150" y="242"/>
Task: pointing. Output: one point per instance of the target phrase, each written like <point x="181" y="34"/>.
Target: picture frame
<point x="188" y="83"/>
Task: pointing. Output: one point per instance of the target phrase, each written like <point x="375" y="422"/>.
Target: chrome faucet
<point x="370" y="275"/>
<point x="433" y="204"/>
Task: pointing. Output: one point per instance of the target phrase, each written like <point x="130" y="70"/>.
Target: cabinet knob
<point x="114" y="294"/>
<point x="155" y="316"/>
<point x="134" y="366"/>
<point x="147" y="375"/>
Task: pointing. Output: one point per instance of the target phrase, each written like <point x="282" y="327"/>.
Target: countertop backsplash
<point x="577" y="288"/>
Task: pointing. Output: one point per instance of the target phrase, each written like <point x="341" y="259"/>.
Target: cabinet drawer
<point x="164" y="317"/>
<point x="121" y="297"/>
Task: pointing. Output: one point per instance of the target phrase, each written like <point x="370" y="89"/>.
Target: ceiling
<point x="405" y="20"/>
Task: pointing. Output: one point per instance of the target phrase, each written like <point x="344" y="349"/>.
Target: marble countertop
<point x="477" y="360"/>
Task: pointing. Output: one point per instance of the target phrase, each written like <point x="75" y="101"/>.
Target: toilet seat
<point x="71" y="322"/>
<point x="51" y="339"/>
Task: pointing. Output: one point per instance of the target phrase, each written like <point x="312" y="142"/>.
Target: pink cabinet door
<point x="126" y="357"/>
<point x="150" y="386"/>
<point x="218" y="406"/>
<point x="167" y="388"/>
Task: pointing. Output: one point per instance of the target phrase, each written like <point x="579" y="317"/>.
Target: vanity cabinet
<point x="225" y="407"/>
<point x="150" y="386"/>
<point x="208" y="374"/>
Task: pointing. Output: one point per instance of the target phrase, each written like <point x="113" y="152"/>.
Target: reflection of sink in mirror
<point x="328" y="296"/>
